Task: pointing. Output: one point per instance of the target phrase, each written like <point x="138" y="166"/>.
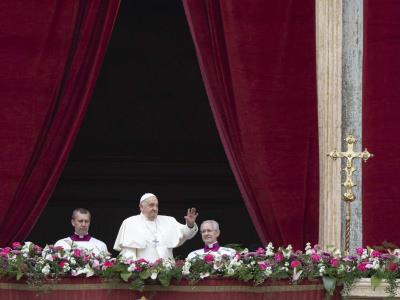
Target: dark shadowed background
<point x="149" y="128"/>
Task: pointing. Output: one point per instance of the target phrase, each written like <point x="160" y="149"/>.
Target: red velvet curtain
<point x="381" y="123"/>
<point x="257" y="59"/>
<point x="51" y="52"/>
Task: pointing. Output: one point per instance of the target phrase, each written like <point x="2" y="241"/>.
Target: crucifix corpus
<point x="348" y="195"/>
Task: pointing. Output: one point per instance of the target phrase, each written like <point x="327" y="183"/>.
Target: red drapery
<point x="381" y="125"/>
<point x="51" y="52"/>
<point x="257" y="60"/>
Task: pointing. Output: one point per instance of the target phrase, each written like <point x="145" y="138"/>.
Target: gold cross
<point x="349" y="196"/>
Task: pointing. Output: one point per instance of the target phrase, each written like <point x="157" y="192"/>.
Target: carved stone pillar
<point x="329" y="74"/>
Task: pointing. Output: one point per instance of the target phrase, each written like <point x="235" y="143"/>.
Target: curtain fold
<point x="380" y="120"/>
<point x="257" y="60"/>
<point x="51" y="53"/>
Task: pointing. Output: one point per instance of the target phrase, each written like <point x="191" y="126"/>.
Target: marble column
<point x="329" y="81"/>
<point x="352" y="107"/>
<point x="339" y="35"/>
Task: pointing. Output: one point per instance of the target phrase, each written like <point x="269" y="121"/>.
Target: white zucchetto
<point x="146" y="196"/>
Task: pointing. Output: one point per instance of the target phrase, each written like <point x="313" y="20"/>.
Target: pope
<point x="152" y="236"/>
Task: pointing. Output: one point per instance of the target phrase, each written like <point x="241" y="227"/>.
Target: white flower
<point x="186" y="268"/>
<point x="230" y="271"/>
<point x="72" y="261"/>
<point x="49" y="257"/>
<point x="132" y="267"/>
<point x="287" y="252"/>
<point x="364" y="255"/>
<point x="204" y="275"/>
<point x="66" y="267"/>
<point x="269" y="250"/>
<point x="168" y="264"/>
<point x="244" y="251"/>
<point x="46" y="269"/>
<point x="25" y="248"/>
<point x="322" y="270"/>
<point x="153" y="275"/>
<point x="308" y="249"/>
<point x="268" y="271"/>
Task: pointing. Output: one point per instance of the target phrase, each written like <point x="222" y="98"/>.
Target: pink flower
<point x="142" y="262"/>
<point x="58" y="248"/>
<point x="95" y="264"/>
<point x="335" y="262"/>
<point x="359" y="251"/>
<point x="315" y="257"/>
<point x="77" y="253"/>
<point x="157" y="262"/>
<point x="5" y="251"/>
<point x="209" y="258"/>
<point x="37" y="249"/>
<point x="278" y="257"/>
<point x="260" y="251"/>
<point x="295" y="264"/>
<point x="262" y="265"/>
<point x="393" y="267"/>
<point x="16" y="245"/>
<point x="376" y="254"/>
<point x="362" y="267"/>
<point x="61" y="264"/>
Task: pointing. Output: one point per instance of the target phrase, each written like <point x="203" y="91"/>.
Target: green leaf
<point x="19" y="275"/>
<point x="145" y="274"/>
<point x="329" y="284"/>
<point x="375" y="281"/>
<point x="164" y="279"/>
<point x="125" y="276"/>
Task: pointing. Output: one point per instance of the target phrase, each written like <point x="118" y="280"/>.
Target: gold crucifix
<point x="348" y="195"/>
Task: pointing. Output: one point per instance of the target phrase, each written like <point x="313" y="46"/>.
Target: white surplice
<point x="94" y="245"/>
<point x="139" y="237"/>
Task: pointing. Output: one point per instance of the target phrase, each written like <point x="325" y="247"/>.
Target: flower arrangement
<point x="38" y="265"/>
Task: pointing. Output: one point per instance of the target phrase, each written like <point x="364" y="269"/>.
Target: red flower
<point x="61" y="263"/>
<point x="393" y="267"/>
<point x="209" y="258"/>
<point x="107" y="264"/>
<point x="362" y="267"/>
<point x="295" y="264"/>
<point x="138" y="268"/>
<point x="376" y="254"/>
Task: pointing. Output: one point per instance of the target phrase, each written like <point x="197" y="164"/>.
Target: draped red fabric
<point x="381" y="125"/>
<point x="257" y="59"/>
<point x="51" y="52"/>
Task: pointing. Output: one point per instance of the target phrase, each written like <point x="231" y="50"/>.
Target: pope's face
<point x="81" y="223"/>
<point x="208" y="233"/>
<point x="149" y="208"/>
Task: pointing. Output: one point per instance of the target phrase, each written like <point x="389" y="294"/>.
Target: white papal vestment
<point x="139" y="237"/>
